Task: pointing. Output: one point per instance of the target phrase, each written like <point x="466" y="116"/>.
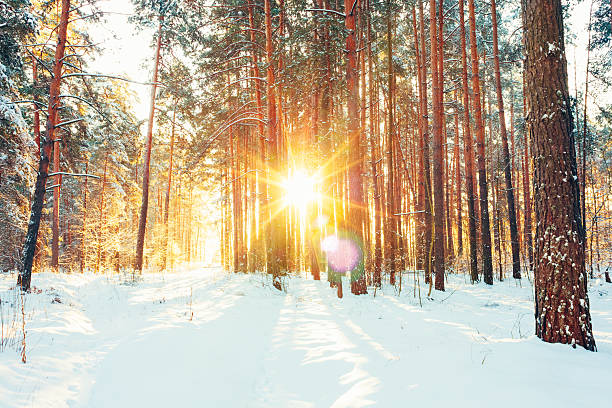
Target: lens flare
<point x="329" y="244"/>
<point x="343" y="254"/>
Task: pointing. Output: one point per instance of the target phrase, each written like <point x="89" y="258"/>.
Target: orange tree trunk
<point x="373" y="151"/>
<point x="276" y="248"/>
<point x="84" y="228"/>
<point x="447" y="203"/>
<point x="142" y="221"/>
<point x="514" y="236"/>
<point x="260" y="243"/>
<point x="485" y="230"/>
<point x="438" y="188"/>
<point x="101" y="220"/>
<point x="468" y="152"/>
<point x="527" y="230"/>
<point x="36" y="105"/>
<point x="420" y="198"/>
<point x="390" y="222"/>
<point x="29" y="246"/>
<point x="167" y="199"/>
<point x="458" y="186"/>
<point x="355" y="183"/>
<point x="427" y="219"/>
<point x="584" y="125"/>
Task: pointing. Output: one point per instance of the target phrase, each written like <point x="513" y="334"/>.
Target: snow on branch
<point x="327" y="11"/>
<point x="62" y="173"/>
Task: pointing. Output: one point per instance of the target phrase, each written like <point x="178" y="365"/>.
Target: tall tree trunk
<point x="355" y="183"/>
<point x="235" y="199"/>
<point x="447" y="222"/>
<point x="83" y="260"/>
<point x="468" y="153"/>
<point x="373" y="151"/>
<point x="312" y="211"/>
<point x="282" y="141"/>
<point x="101" y="219"/>
<point x="326" y="92"/>
<point x="260" y="247"/>
<point x="514" y="238"/>
<point x="561" y="300"/>
<point x="36" y="105"/>
<point x="326" y="135"/>
<point x="438" y="187"/>
<point x="55" y="227"/>
<point x="276" y="249"/>
<point x="168" y="187"/>
<point x="421" y="118"/>
<point x="485" y="230"/>
<point x="427" y="215"/>
<point x="515" y="175"/>
<point x="458" y="186"/>
<point x="526" y="183"/>
<point x="390" y="221"/>
<point x="29" y="246"/>
<point x="224" y="218"/>
<point x="363" y="138"/>
<point x="448" y="192"/>
<point x="496" y="228"/>
<point x="584" y="126"/>
<point x="142" y="221"/>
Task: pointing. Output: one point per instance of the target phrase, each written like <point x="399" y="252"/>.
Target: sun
<point x="299" y="189"/>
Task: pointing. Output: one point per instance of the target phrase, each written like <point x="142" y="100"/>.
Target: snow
<point x="10" y="113"/>
<point x="201" y="337"/>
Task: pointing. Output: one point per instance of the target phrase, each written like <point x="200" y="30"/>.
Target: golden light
<point x="299" y="189"/>
<point x="322" y="221"/>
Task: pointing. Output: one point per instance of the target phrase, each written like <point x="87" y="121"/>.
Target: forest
<point x="288" y="192"/>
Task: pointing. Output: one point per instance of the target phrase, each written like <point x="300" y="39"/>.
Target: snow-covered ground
<point x="202" y="338"/>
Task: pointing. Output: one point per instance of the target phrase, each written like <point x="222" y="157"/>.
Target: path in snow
<point x="205" y="339"/>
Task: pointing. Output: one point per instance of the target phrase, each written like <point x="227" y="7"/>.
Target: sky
<point x="579" y="22"/>
<point x="127" y="49"/>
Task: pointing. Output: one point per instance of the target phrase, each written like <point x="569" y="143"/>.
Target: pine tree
<point x="561" y="300"/>
<point x="48" y="143"/>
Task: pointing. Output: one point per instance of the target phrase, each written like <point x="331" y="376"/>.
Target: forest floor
<point x="202" y="338"/>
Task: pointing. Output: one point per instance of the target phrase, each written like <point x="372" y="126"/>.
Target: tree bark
<point x="168" y="189"/>
<point x="260" y="247"/>
<point x="35" y="105"/>
<point x="526" y="184"/>
<point x="561" y="301"/>
<point x="83" y="259"/>
<point x="29" y="246"/>
<point x="142" y="221"/>
<point x="374" y="151"/>
<point x="276" y="248"/>
<point x="514" y="237"/>
<point x="468" y="152"/>
<point x="438" y="188"/>
<point x="427" y="218"/>
<point x="584" y="126"/>
<point x="421" y="119"/>
<point x="101" y="218"/>
<point x="57" y="182"/>
<point x="496" y="228"/>
<point x="390" y="221"/>
<point x="485" y="230"/>
<point x="458" y="186"/>
<point x="355" y="182"/>
<point x="447" y="221"/>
